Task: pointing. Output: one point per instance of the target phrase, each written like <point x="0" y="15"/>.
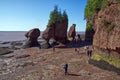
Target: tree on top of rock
<point x="57" y="16"/>
<point x="94" y="6"/>
<point x="64" y="16"/>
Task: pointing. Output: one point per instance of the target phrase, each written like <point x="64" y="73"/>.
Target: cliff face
<point x="89" y="36"/>
<point x="106" y="24"/>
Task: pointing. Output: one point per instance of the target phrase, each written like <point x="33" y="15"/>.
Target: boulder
<point x="57" y="31"/>
<point x="33" y="34"/>
<point x="32" y="37"/>
<point x="72" y="32"/>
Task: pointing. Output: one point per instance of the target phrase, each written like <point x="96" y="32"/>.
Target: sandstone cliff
<point x="106" y="24"/>
<point x="107" y="27"/>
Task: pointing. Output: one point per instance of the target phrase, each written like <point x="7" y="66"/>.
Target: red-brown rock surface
<point x="107" y="27"/>
<point x="33" y="34"/>
<point x="32" y="37"/>
<point x="58" y="31"/>
<point x="72" y="32"/>
<point x="42" y="64"/>
<point x="48" y="33"/>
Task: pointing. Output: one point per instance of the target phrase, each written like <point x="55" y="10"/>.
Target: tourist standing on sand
<point x="86" y="49"/>
<point x="66" y="69"/>
<point x="90" y="50"/>
<point x="53" y="46"/>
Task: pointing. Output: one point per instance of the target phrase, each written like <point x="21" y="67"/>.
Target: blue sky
<point x="23" y="15"/>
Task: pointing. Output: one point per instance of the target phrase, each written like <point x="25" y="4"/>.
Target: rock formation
<point x="72" y="32"/>
<point x="89" y="36"/>
<point x="106" y="24"/>
<point x="48" y="33"/>
<point x="32" y="37"/>
<point x="57" y="26"/>
<point x="57" y="31"/>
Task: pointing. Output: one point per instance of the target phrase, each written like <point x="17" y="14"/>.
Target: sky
<point x="23" y="15"/>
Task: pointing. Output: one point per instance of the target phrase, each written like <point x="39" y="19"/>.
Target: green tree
<point x="57" y="16"/>
<point x="92" y="7"/>
<point x="54" y="15"/>
<point x="89" y="27"/>
<point x="64" y="16"/>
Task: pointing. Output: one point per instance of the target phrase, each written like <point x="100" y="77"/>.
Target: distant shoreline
<point x="9" y="36"/>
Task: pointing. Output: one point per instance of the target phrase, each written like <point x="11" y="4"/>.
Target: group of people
<point x="89" y="50"/>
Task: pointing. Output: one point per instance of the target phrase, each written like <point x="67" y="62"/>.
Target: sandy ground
<point x="44" y="64"/>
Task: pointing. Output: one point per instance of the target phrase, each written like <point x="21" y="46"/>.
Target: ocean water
<point x="17" y="35"/>
<point x="12" y="35"/>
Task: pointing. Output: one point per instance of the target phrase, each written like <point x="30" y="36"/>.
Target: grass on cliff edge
<point x="111" y="60"/>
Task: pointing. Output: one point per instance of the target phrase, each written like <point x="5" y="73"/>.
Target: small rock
<point x="4" y="51"/>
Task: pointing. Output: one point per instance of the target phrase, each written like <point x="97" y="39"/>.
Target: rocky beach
<point x="45" y="64"/>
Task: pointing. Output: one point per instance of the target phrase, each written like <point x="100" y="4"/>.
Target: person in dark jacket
<point x="66" y="69"/>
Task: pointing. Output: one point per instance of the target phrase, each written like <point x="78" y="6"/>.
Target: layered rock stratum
<point x="107" y="27"/>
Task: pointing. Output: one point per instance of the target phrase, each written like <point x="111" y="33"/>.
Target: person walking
<point x="90" y="51"/>
<point x="66" y="69"/>
<point x="86" y="49"/>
